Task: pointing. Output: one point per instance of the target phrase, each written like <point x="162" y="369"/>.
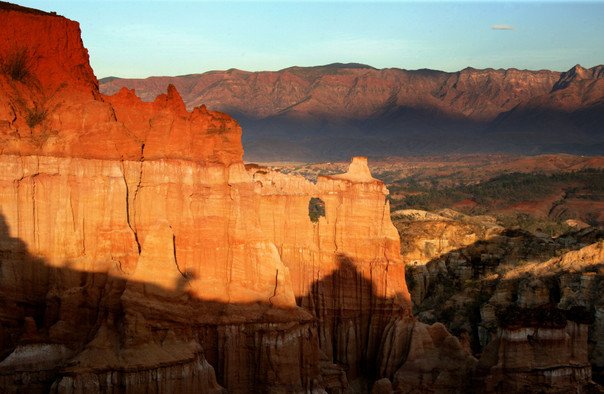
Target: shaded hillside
<point x="334" y="111"/>
<point x="573" y="111"/>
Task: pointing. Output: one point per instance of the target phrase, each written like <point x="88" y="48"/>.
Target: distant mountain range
<point x="340" y="110"/>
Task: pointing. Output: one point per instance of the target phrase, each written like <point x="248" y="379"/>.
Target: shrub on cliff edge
<point x="17" y="63"/>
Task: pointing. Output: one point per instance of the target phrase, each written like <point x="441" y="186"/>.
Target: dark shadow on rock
<point x="453" y="288"/>
<point x="94" y="322"/>
<point x="351" y="319"/>
<point x="15" y="260"/>
<point x="58" y="314"/>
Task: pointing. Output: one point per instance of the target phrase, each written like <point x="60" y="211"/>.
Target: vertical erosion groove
<point x="138" y="245"/>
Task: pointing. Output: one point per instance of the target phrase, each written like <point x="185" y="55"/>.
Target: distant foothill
<point x="340" y="110"/>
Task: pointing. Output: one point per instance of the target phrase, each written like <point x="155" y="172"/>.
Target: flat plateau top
<point x="4" y="6"/>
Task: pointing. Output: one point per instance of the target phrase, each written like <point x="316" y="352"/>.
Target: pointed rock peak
<point x="358" y="166"/>
<point x="173" y="93"/>
<point x="125" y="92"/>
<point x="125" y="96"/>
<point x="202" y="109"/>
<point x="576" y="73"/>
<point x="171" y="100"/>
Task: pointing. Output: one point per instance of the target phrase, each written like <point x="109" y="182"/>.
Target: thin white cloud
<point x="503" y="27"/>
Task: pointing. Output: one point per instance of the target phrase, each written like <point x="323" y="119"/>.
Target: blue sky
<point x="145" y="38"/>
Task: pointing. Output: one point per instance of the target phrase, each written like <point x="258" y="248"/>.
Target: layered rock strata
<point x="129" y="237"/>
<point x="345" y="268"/>
<point x="536" y="323"/>
<point x="139" y="255"/>
<point x="540" y="347"/>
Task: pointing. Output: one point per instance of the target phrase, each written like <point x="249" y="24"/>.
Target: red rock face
<point x="140" y="254"/>
<point x="128" y="234"/>
<point x="164" y="129"/>
<point x="53" y="107"/>
<point x="53" y="53"/>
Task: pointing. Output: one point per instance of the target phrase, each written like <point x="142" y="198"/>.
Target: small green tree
<point x="316" y="209"/>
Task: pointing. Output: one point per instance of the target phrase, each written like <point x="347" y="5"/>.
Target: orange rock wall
<point x="128" y="230"/>
<point x="346" y="268"/>
<point x="138" y="254"/>
<point x="202" y="259"/>
<point x="58" y="58"/>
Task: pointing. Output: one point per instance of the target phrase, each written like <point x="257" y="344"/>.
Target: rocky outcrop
<point x="573" y="280"/>
<point x="532" y="319"/>
<point x="425" y="358"/>
<point x="442" y="248"/>
<point x="129" y="238"/>
<point x="346" y="267"/>
<point x="537" y="347"/>
<point x="353" y="282"/>
<point x="139" y="255"/>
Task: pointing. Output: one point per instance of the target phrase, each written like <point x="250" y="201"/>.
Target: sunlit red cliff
<point x="140" y="255"/>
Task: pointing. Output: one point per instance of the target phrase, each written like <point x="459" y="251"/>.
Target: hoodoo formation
<point x="138" y="253"/>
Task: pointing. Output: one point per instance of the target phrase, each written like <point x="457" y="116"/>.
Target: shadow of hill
<point x="71" y="307"/>
<point x="102" y="322"/>
<point x="350" y="318"/>
<point x="454" y="287"/>
<point x="425" y="131"/>
<point x="16" y="261"/>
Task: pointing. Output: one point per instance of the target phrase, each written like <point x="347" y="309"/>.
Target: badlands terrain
<point x="485" y="238"/>
<point x="140" y="254"/>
